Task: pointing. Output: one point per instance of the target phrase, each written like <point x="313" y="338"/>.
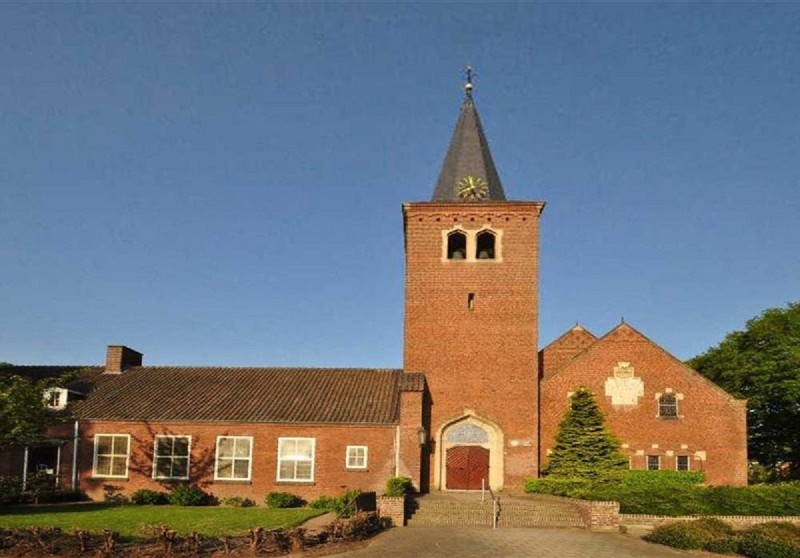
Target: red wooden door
<point x="467" y="466"/>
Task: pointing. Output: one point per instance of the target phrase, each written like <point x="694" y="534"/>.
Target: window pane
<point x="103" y="465"/>
<point x="181" y="446"/>
<point x="240" y="467"/>
<point x="225" y="447"/>
<point x="163" y="446"/>
<point x="163" y="467"/>
<point x="242" y="447"/>
<point x="180" y="467"/>
<point x="288" y="448"/>
<point x="225" y="468"/>
<point x="119" y="466"/>
<point x="286" y="470"/>
<point x="120" y="445"/>
<point x="303" y="470"/>
<point x="103" y="444"/>
<point x="304" y="448"/>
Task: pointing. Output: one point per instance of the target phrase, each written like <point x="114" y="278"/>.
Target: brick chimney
<point x="119" y="358"/>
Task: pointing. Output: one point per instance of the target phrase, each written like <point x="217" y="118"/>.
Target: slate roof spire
<point x="468" y="173"/>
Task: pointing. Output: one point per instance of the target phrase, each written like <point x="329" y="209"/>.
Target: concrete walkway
<point x="476" y="542"/>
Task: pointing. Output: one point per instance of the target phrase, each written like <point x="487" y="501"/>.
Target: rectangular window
<point x="234" y="458"/>
<point x="171" y="457"/>
<point x="111" y="455"/>
<point x="356" y="457"/>
<point x="682" y="463"/>
<point x="296" y="459"/>
<point x="653" y="462"/>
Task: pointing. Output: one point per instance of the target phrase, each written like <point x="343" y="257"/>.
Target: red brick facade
<point x="628" y="373"/>
<point x="471" y="327"/>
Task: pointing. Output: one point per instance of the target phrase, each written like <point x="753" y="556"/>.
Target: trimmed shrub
<point x="238" y="502"/>
<point x="398" y="486"/>
<point x="559" y="486"/>
<point x="283" y="500"/>
<point x="702" y="534"/>
<point x="771" y="540"/>
<point x="322" y="503"/>
<point x="655" y="479"/>
<point x="149" y="497"/>
<point x="190" y="496"/>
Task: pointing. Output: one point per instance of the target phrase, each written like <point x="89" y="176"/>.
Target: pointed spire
<point x="468" y="173"/>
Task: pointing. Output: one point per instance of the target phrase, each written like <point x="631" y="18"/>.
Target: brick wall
<point x="330" y="475"/>
<point x="710" y="429"/>
<point x="483" y="359"/>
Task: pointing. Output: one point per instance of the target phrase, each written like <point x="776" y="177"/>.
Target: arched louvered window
<point x="456" y="245"/>
<point x="485" y="245"/>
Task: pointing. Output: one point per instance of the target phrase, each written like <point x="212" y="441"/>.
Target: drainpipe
<point x="58" y="465"/>
<point x="74" y="484"/>
<point x="25" y="469"/>
<point x="397" y="450"/>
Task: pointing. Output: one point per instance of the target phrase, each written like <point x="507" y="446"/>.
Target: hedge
<point x="770" y="540"/>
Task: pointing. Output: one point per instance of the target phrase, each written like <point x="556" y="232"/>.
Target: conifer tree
<point x="584" y="447"/>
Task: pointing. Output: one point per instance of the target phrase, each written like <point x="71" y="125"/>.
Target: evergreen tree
<point x="584" y="447"/>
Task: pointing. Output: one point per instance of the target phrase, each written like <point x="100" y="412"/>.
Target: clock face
<point x="472" y="188"/>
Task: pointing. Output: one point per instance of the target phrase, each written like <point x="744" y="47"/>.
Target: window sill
<point x="356" y="470"/>
<point x="295" y="483"/>
<point x="233" y="481"/>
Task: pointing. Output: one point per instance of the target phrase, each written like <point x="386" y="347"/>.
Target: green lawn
<point x="131" y="521"/>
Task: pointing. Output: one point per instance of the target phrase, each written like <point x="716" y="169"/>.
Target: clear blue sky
<point x="221" y="184"/>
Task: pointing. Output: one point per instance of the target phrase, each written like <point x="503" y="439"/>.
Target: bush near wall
<point x="674" y="493"/>
<point x="770" y="540"/>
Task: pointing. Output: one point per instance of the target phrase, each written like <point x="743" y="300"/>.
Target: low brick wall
<point x="394" y="508"/>
<point x="736" y="521"/>
<point x="598" y="515"/>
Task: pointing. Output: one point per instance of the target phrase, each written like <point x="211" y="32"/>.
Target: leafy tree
<point x="762" y="364"/>
<point x="584" y="447"/>
<point x="24" y="416"/>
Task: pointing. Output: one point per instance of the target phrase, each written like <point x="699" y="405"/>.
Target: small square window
<point x="653" y="462"/>
<point x="682" y="463"/>
<point x="356" y="457"/>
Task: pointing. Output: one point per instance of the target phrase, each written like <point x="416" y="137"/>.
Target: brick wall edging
<point x="630" y="519"/>
<point x="596" y="514"/>
<point x="393" y="507"/>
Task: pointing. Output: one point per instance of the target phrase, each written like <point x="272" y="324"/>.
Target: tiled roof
<point x="310" y="395"/>
<point x="412" y="381"/>
<point x="468" y="155"/>
<point x="84" y="377"/>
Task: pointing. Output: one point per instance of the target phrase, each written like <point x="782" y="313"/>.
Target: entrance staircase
<point x="468" y="509"/>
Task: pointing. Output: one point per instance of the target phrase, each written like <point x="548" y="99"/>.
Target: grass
<point x="132" y="521"/>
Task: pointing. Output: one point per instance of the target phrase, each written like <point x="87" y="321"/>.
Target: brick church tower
<point x="471" y="318"/>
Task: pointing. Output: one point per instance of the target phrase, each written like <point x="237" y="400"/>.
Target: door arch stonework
<point x="467" y="435"/>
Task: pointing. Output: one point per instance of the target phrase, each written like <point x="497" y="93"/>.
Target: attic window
<point x="55" y="398"/>
<point x="456" y="245"/>
<point x="668" y="406"/>
<point x="485" y="245"/>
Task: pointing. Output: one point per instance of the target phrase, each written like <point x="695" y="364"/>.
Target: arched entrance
<point x="469" y="455"/>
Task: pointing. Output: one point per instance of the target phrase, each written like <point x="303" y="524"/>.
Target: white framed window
<point x="234" y="460"/>
<point x="296" y="459"/>
<point x="356" y="457"/>
<point x="682" y="463"/>
<point x="171" y="457"/>
<point x="111" y="455"/>
<point x="55" y="398"/>
<point x="653" y="462"/>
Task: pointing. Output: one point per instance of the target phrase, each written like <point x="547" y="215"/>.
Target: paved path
<point x="465" y="542"/>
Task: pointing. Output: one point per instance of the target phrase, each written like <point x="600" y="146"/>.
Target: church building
<point x="458" y="416"/>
